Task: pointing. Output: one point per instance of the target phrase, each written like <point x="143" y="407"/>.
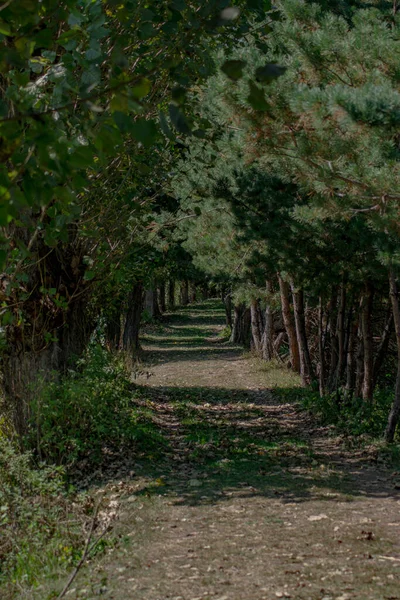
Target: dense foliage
<point x="155" y="150"/>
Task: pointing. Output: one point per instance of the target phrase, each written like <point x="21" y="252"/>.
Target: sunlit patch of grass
<point x="277" y="375"/>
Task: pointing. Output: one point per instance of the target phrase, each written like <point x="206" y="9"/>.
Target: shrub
<point x="88" y="410"/>
<point x="39" y="533"/>
<point x="353" y="416"/>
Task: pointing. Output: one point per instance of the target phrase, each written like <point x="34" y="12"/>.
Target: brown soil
<point x="246" y="497"/>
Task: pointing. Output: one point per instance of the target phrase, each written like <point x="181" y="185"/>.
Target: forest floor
<point x="242" y="495"/>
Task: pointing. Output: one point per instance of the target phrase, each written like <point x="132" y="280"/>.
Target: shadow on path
<point x="232" y="494"/>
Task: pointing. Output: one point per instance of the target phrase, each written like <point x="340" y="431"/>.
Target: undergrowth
<point x="76" y="423"/>
<point x="352" y="416"/>
<point x="89" y="410"/>
<point x="41" y="523"/>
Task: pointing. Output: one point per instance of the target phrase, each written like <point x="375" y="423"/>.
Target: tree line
<point x="249" y="146"/>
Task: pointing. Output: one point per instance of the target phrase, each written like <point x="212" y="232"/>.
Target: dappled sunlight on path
<point x="245" y="496"/>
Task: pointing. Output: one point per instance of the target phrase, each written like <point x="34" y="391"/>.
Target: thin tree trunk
<point x="333" y="338"/>
<point x="366" y="320"/>
<point x="306" y="370"/>
<point x="267" y="340"/>
<point x="395" y="411"/>
<point x="289" y="324"/>
<point x="351" y="358"/>
<point x="161" y="290"/>
<point x="184" y="293"/>
<point x="256" y="325"/>
<point x="156" y="306"/>
<point x="130" y="338"/>
<point x="193" y="293"/>
<point x="113" y="329"/>
<point x="341" y="335"/>
<point x="227" y="300"/>
<point x="359" y="362"/>
<point x="171" y="294"/>
<point x="322" y="371"/>
<point x="383" y="346"/>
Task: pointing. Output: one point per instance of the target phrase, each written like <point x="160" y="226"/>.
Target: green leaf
<point x="269" y="72"/>
<point x="179" y="120"/>
<point x="144" y="131"/>
<point x="5" y="28"/>
<point x="165" y="127"/>
<point x="141" y="89"/>
<point x="123" y="121"/>
<point x="146" y="31"/>
<point x="82" y="157"/>
<point x="256" y="97"/>
<point x="233" y="69"/>
<point x="89" y="275"/>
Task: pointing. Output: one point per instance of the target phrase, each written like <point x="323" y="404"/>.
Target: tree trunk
<point x="383" y="346"/>
<point x="267" y="340"/>
<point x="161" y="292"/>
<point x="156" y="307"/>
<point x="184" y="293"/>
<point x="306" y="370"/>
<point x="193" y="293"/>
<point x="289" y="324"/>
<point x="366" y="320"/>
<point x="321" y="349"/>
<point x="351" y="367"/>
<point x="256" y="326"/>
<point x="171" y="294"/>
<point x="113" y="329"/>
<point x="241" y="325"/>
<point x="149" y="301"/>
<point x="359" y="362"/>
<point x="228" y="309"/>
<point x="205" y="291"/>
<point x="333" y="338"/>
<point x="341" y="332"/>
<point x="130" y="339"/>
<point x="395" y="411"/>
<point x="29" y="358"/>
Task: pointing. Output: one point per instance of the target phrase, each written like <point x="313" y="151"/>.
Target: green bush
<point x="353" y="416"/>
<point x="41" y="532"/>
<point x="88" y="410"/>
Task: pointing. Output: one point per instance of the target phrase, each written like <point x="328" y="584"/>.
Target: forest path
<point x="242" y="496"/>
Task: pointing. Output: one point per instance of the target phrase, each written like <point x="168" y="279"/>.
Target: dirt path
<point x="242" y="497"/>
